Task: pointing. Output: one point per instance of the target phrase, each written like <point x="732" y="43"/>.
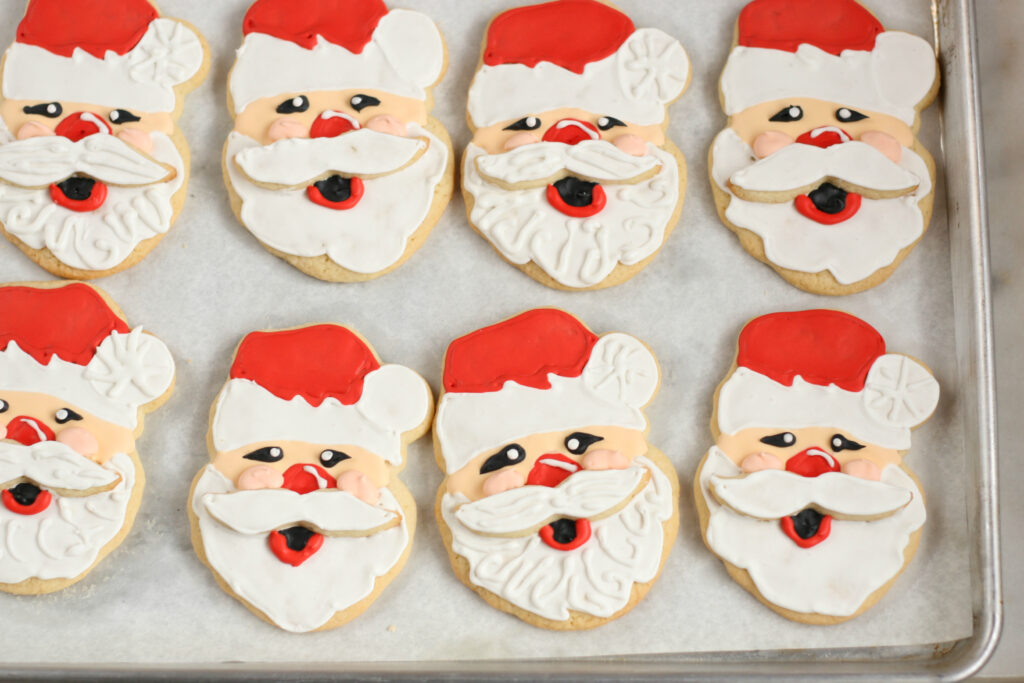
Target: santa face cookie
<point x="75" y="381"/>
<point x="300" y="515"/>
<point x="334" y="163"/>
<point x="93" y="168"/>
<point x="804" y="495"/>
<point x="819" y="171"/>
<point x="554" y="508"/>
<point x="569" y="175"/>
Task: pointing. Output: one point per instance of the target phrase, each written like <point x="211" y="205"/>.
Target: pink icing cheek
<point x="755" y="462"/>
<point x="605" y="460"/>
<point x="81" y="440"/>
<point x="359" y="485"/>
<point x="884" y="143"/>
<point x="770" y="142"/>
<point x="260" y="477"/>
<point x="502" y="481"/>
<point x="139" y="139"/>
<point x="520" y="139"/>
<point x="631" y="144"/>
<point x="33" y="129"/>
<point x="862" y="469"/>
<point x="285" y="128"/>
<point x="386" y="123"/>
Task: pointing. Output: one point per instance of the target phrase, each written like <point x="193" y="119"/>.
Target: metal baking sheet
<point x="151" y="606"/>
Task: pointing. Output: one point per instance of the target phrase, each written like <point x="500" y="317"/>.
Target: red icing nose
<point x="551" y="469"/>
<point x="824" y="137"/>
<point x="28" y="431"/>
<point x="571" y="132"/>
<point x="305" y="478"/>
<point x="82" y="124"/>
<point x="331" y="124"/>
<point x="812" y="462"/>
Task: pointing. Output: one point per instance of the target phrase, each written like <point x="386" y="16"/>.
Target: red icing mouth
<point x="297" y="544"/>
<point x="25" y="499"/>
<point x="28" y="431"/>
<point x="577" y="532"/>
<point x="79" y="194"/>
<point x="824" y="137"/>
<point x="808" y="527"/>
<point x="336" y="192"/>
<point x="807" y="208"/>
<point x="551" y="469"/>
<point x="587" y="199"/>
<point x="789" y="527"/>
<point x="571" y="132"/>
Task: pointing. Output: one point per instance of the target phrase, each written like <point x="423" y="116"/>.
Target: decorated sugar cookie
<point x="299" y="514"/>
<point x="819" y="171"/>
<point x="805" y="496"/>
<point x="93" y="168"/>
<point x="570" y="175"/>
<point x="554" y="507"/>
<point x="75" y="382"/>
<point x="334" y="163"/>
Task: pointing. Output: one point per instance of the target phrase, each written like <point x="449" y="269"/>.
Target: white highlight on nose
<point x="830" y="129"/>
<point x="320" y="481"/>
<point x="331" y="114"/>
<point x="563" y="124"/>
<point x="824" y="454"/>
<point x="570" y="467"/>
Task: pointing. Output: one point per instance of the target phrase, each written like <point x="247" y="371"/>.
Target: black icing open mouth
<point x="566" y="534"/>
<point x="79" y="194"/>
<point x="295" y="545"/>
<point x="807" y="528"/>
<point x="26" y="499"/>
<point x="577" y="198"/>
<point x="828" y="204"/>
<point x="337" y="192"/>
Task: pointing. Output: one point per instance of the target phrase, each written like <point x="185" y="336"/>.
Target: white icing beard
<point x="367" y="238"/>
<point x="577" y="252"/>
<point x="851" y="250"/>
<point x="302" y="598"/>
<point x="835" y="576"/>
<point x="596" y="578"/>
<point x="63" y="540"/>
<point x="96" y="240"/>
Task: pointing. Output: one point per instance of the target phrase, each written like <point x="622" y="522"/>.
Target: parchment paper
<point x="209" y="282"/>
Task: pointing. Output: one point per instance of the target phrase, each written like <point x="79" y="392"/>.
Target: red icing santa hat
<point x="825" y="368"/>
<point x="115" y="53"/>
<point x="540" y="371"/>
<point x="322" y="385"/>
<point x="67" y="342"/>
<point x="832" y="50"/>
<point x="308" y="45"/>
<point x="576" y="53"/>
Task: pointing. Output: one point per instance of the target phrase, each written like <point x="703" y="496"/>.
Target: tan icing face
<point x="748" y="442"/>
<point x="232" y="464"/>
<point x="15" y="117"/>
<point x="100" y="439"/>
<point x="754" y="121"/>
<point x="493" y="139"/>
<point x="628" y="443"/>
<point x="256" y="120"/>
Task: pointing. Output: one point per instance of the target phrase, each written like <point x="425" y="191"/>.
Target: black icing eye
<point x="295" y="105"/>
<point x="608" y="122"/>
<point x="50" y="110"/>
<point x="266" y="454"/>
<point x="4" y="405"/>
<point x="331" y="458"/>
<point x="787" y="114"/>
<point x="577" y="443"/>
<point x="65" y="415"/>
<point x="783" y="440"/>
<point x="526" y="123"/>
<point x="123" y="116"/>
<point x="846" y="115"/>
<point x="509" y="455"/>
<point x="361" y="102"/>
<point x="841" y="443"/>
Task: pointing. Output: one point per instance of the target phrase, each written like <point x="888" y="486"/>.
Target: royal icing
<point x="325" y="510"/>
<point x="52" y="464"/>
<point x="39" y="161"/>
<point x="592" y="159"/>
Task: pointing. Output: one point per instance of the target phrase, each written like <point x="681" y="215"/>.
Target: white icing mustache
<point x="773" y="494"/>
<point x="590" y="494"/>
<point x="40" y="161"/>
<point x="53" y="465"/>
<point x="796" y="168"/>
<point x="542" y="163"/>
<point x="331" y="512"/>
<point x="297" y="162"/>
